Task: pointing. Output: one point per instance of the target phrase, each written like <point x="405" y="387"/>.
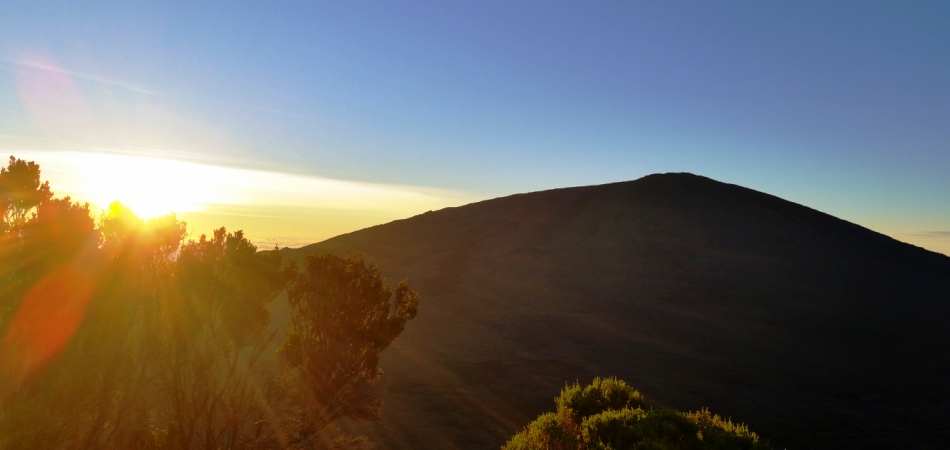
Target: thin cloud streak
<point x="86" y="77"/>
<point x="138" y="89"/>
<point x="933" y="240"/>
<point x="940" y="234"/>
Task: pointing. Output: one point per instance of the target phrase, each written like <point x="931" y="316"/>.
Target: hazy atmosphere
<point x="334" y="116"/>
<point x="512" y="225"/>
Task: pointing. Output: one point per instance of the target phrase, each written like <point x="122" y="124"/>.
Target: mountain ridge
<point x="649" y="182"/>
<point x="692" y="289"/>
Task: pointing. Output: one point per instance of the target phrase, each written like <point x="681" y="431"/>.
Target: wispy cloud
<point x="37" y="65"/>
<point x="939" y="234"/>
<point x="18" y="143"/>
<point x="40" y="65"/>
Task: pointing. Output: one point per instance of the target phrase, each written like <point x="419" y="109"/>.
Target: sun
<point x="149" y="186"/>
<point x="148" y="198"/>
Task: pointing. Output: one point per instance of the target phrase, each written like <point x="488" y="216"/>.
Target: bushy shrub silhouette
<point x="344" y="314"/>
<point x="609" y="414"/>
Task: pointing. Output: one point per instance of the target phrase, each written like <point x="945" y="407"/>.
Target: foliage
<point x="20" y="192"/>
<point x="601" y="395"/>
<point x="549" y="431"/>
<point x="609" y="414"/>
<point x="344" y="316"/>
<point x="117" y="332"/>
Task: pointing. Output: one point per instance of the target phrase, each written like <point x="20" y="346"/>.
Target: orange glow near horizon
<point x="273" y="208"/>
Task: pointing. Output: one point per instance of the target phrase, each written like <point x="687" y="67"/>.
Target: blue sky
<point x="843" y="107"/>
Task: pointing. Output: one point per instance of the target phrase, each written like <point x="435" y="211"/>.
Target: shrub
<point x="608" y="414"/>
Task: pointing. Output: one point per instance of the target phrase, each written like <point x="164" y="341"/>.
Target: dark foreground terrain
<point x="816" y="332"/>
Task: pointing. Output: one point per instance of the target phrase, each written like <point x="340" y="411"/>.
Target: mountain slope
<point x="813" y="330"/>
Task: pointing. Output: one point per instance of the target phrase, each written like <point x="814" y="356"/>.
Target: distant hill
<point x="813" y="330"/>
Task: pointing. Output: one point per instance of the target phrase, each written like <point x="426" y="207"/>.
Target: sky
<point x="298" y="121"/>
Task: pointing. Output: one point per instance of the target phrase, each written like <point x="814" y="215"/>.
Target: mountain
<point x="816" y="332"/>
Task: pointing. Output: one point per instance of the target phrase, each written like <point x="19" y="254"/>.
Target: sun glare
<point x="288" y="207"/>
<point x="149" y="186"/>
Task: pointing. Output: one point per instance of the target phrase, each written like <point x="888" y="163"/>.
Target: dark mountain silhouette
<point x="816" y="332"/>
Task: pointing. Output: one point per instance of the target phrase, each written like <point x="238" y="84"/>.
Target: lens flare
<point x="44" y="323"/>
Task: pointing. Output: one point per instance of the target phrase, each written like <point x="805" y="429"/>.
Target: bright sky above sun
<point x="298" y="121"/>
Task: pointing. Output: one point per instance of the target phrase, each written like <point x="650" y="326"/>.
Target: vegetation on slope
<point x="609" y="414"/>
